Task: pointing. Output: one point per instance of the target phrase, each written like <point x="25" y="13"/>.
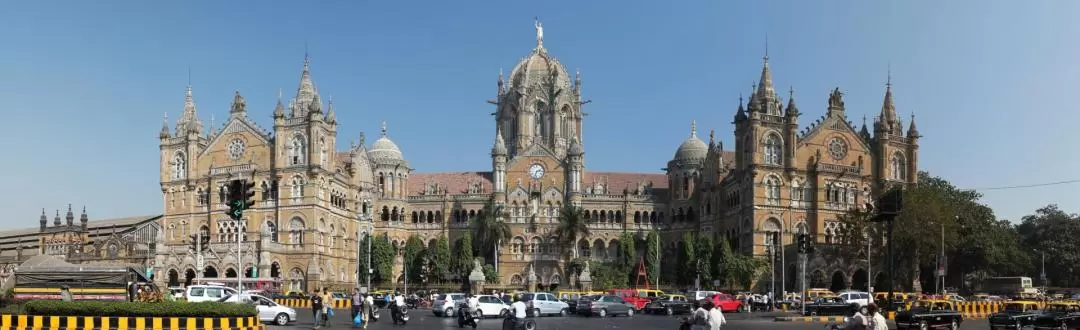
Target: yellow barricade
<point x="306" y="303"/>
<point x="39" y="322"/>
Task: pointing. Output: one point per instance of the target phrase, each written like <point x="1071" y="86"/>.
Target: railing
<point x="834" y="168"/>
<point x="232" y="169"/>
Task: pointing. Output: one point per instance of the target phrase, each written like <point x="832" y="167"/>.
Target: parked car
<point x="543" y="303"/>
<point x="445" y="303"/>
<point x="604" y="305"/>
<point x="269" y="311"/>
<point x="201" y="293"/>
<point x="669" y="305"/>
<point x="856" y="297"/>
<point x="927" y="314"/>
<point x="728" y="303"/>
<point x="1059" y="315"/>
<point x="1016" y="314"/>
<point x="490" y="306"/>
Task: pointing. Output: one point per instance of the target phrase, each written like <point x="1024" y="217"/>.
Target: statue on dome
<point x="539" y="31"/>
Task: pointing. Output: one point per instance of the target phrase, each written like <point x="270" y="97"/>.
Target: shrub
<point x="160" y="309"/>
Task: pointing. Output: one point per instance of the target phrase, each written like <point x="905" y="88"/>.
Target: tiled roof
<point x="617" y="181"/>
<point x="29" y="235"/>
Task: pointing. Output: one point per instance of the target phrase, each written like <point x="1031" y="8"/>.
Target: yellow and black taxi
<point x="925" y="314"/>
<point x="1059" y="315"/>
<point x="669" y="305"/>
<point x="1015" y="315"/>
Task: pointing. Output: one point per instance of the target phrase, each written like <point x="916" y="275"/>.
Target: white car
<point x="490" y="306"/>
<point x="856" y="297"/>
<point x="269" y="311"/>
<point x="201" y="293"/>
<point x="444" y="305"/>
<point x="543" y="303"/>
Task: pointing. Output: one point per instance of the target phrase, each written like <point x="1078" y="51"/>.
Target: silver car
<point x="604" y="305"/>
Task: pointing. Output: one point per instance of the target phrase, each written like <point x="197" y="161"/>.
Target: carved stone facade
<point x="314" y="202"/>
<point x="130" y="241"/>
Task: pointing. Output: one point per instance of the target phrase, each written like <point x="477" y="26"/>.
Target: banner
<point x="941" y="266"/>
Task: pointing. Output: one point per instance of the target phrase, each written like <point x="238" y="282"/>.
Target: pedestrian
<point x="369" y="310"/>
<point x="700" y="318"/>
<point x="65" y="294"/>
<point x="328" y="304"/>
<point x="877" y="320"/>
<point x="317" y="308"/>
<point x="357" y="305"/>
<point x="716" y="316"/>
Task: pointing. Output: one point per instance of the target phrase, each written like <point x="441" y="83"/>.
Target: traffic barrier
<point x="40" y="322"/>
<point x="810" y="319"/>
<point x="306" y="303"/>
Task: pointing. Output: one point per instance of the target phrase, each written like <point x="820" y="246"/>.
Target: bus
<point x="1007" y="285"/>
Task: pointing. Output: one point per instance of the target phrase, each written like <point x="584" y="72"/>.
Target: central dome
<point x="692" y="147"/>
<point x="537" y="68"/>
<point x="384" y="149"/>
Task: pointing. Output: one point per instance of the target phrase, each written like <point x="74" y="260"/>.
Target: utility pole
<point x="869" y="264"/>
<point x="772" y="269"/>
<point x="803" y="241"/>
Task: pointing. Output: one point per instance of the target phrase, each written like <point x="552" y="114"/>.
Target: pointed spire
<point x="383" y="128"/>
<point x="189" y="120"/>
<point x="792" y="110"/>
<point x="279" y="109"/>
<point x="888" y="115"/>
<point x="765" y="91"/>
<point x="305" y="93"/>
<point x="913" y="132"/>
<point x="165" y="127"/>
<point x="501" y="83"/>
<point x="499" y="149"/>
<point x="56" y="221"/>
<point x="213" y="127"/>
<point x="83" y="218"/>
<point x="44" y="219"/>
<point x="331" y="116"/>
<point x="693" y="128"/>
<point x="740" y="114"/>
<point x="363" y="140"/>
<point x="70" y="216"/>
<point x="712" y="138"/>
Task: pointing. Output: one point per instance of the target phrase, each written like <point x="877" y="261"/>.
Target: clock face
<point x="236" y="149"/>
<point x="536" y="171"/>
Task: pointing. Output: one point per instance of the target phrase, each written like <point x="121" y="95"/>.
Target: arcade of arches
<point x="838" y="280"/>
<point x="176" y="278"/>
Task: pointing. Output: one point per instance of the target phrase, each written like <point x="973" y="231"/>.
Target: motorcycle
<point x="467" y="317"/>
<point x="412" y="302"/>
<point x="374" y="317"/>
<point x="400" y="314"/>
<point x="513" y="323"/>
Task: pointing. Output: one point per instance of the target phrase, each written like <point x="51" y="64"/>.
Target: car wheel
<point x="281" y="319"/>
<point x="1019" y="325"/>
<point x="603" y="313"/>
<point x="669" y="311"/>
<point x="529" y="325"/>
<point x="1063" y="326"/>
<point x="504" y="313"/>
<point x="564" y="312"/>
<point x="479" y="314"/>
<point x="448" y="312"/>
<point x="955" y="326"/>
<point x="923" y="325"/>
<point x="741" y="309"/>
<point x="630" y="312"/>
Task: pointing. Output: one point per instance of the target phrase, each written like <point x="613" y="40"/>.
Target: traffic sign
<point x="200" y="263"/>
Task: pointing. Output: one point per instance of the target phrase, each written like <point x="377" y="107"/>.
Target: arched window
<point x="179" y="166"/>
<point x="899" y="167"/>
<point x="296" y="231"/>
<point x="296" y="150"/>
<point x="796" y="192"/>
<point x="772" y="149"/>
<point x="272" y="230"/>
<point x="322" y="151"/>
<point x="297" y="188"/>
<point x="772" y="190"/>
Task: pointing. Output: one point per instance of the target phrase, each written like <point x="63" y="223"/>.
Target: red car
<point x="631" y="297"/>
<point x="727" y="303"/>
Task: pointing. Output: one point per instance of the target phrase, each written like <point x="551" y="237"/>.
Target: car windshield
<point x="527" y="297"/>
<point x="1061" y="308"/>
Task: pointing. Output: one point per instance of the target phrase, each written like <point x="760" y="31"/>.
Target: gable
<point x="832" y="125"/>
<point x="534" y="150"/>
<point x="819" y="144"/>
<point x="234" y="126"/>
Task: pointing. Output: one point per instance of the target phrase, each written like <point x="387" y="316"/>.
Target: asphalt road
<point x="423" y="319"/>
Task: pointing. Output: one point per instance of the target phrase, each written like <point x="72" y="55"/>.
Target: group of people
<point x="706" y="316"/>
<point x="363" y="306"/>
<point x="868" y="318"/>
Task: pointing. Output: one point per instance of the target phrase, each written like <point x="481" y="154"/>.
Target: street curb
<point x="810" y="319"/>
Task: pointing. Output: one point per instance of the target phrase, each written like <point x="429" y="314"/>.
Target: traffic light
<point x="205" y="244"/>
<point x="236" y="199"/>
<point x="196" y="245"/>
<point x="892" y="202"/>
<point x="802" y="243"/>
<point x="249" y="194"/>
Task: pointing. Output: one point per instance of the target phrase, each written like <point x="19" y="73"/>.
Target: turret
<point x="83" y="219"/>
<point x="44" y="220"/>
<point x="331" y="115"/>
<point x="164" y="135"/>
<point x="498" y="166"/>
<point x="70" y="217"/>
<point x="576" y="159"/>
<point x="791" y="130"/>
<point x="56" y="221"/>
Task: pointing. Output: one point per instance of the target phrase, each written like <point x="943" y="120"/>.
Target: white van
<point x="200" y="293"/>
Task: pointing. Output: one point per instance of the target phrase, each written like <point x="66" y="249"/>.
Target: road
<point x="423" y="319"/>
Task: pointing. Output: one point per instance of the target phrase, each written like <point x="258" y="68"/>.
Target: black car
<point x="669" y="305"/>
<point x="929" y="314"/>
<point x="1060" y="315"/>
<point x="1015" y="315"/>
<point x="831" y="306"/>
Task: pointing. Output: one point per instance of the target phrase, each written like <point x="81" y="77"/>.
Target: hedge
<point x="160" y="309"/>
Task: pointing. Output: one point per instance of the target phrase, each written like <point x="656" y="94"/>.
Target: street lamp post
<point x="772" y="269"/>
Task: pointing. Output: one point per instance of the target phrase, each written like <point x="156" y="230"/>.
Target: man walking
<point x="357" y="305"/>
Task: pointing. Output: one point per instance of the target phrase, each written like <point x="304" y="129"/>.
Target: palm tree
<point x="572" y="226"/>
<point x="489" y="229"/>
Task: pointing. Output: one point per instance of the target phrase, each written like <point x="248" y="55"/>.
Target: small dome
<point x="384" y="149"/>
<point x="692" y="147"/>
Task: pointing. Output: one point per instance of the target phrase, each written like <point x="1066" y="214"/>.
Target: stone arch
<point x="275" y="269"/>
<point x="881" y="282"/>
<point x="584" y="248"/>
<point x="860" y="279"/>
<point x="838" y="281"/>
<point x="174" y="278"/>
<point x="599" y="248"/>
<point x="230" y="272"/>
<point x="210" y="272"/>
<point x="614" y="249"/>
<point x="295" y="281"/>
<point x="818" y="279"/>
<point x="516" y="280"/>
<point x="189" y="276"/>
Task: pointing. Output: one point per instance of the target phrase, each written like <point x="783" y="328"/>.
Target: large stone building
<point x="315" y="201"/>
<point x="130" y="241"/>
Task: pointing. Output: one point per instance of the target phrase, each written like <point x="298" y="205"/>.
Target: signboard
<point x="941" y="266"/>
<point x="200" y="264"/>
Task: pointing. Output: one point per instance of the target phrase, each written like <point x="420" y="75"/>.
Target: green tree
<point x="571" y="227"/>
<point x="722" y="260"/>
<point x="687" y="260"/>
<point x="608" y="275"/>
<point x="440" y="259"/>
<point x="744" y="269"/>
<point x="383" y="254"/>
<point x="652" y="251"/>
<point x="363" y="260"/>
<point x="463" y="256"/>
<point x="1053" y="231"/>
<point x="627" y="258"/>
<point x="703" y="250"/>
<point x="413" y="257"/>
<point x="490" y="229"/>
<point x="490" y="275"/>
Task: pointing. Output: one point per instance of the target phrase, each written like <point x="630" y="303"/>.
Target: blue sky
<point x="86" y="83"/>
